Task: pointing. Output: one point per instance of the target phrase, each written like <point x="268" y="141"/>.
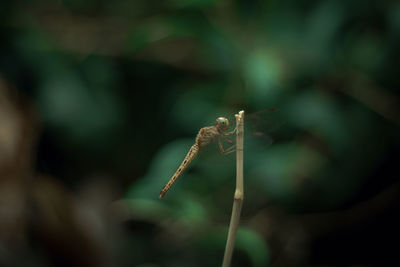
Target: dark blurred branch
<point x="362" y="88"/>
<point x="18" y="132"/>
<point x="36" y="212"/>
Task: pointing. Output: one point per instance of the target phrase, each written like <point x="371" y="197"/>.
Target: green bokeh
<point x="121" y="89"/>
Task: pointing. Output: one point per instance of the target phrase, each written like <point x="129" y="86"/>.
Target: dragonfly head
<point x="222" y="123"/>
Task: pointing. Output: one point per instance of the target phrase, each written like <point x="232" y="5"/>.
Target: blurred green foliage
<point x="123" y="87"/>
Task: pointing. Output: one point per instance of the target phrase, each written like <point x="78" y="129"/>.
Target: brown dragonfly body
<point x="205" y="136"/>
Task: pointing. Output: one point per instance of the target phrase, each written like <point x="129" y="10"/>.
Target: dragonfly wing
<point x="262" y="128"/>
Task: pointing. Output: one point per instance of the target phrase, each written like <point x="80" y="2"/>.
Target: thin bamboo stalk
<point x="239" y="192"/>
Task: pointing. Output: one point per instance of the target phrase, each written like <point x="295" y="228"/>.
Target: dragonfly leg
<point x="230" y="133"/>
<point x="230" y="150"/>
<point x="227" y="139"/>
<point x="227" y="151"/>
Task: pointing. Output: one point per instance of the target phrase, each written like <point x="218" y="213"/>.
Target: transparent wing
<point x="263" y="128"/>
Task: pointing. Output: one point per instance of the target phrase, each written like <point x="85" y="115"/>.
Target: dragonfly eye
<point x="222" y="123"/>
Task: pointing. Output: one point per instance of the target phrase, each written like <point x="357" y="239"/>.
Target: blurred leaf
<point x="247" y="241"/>
<point x="82" y="114"/>
<point x="279" y="170"/>
<point x="318" y="113"/>
<point x="322" y="25"/>
<point x="254" y="246"/>
<point x="394" y="18"/>
<point x="143" y="209"/>
<point x="367" y="53"/>
<point x="161" y="169"/>
<point x="263" y="71"/>
<point x="191" y="3"/>
<point x="198" y="107"/>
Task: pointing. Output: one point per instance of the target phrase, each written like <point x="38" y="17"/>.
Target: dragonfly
<point x="220" y="131"/>
<point x="205" y="136"/>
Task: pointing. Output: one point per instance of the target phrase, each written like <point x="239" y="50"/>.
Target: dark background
<point x="100" y="101"/>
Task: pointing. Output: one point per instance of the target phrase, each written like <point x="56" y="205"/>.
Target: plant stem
<point x="239" y="192"/>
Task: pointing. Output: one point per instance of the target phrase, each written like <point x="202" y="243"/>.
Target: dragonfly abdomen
<point x="193" y="151"/>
